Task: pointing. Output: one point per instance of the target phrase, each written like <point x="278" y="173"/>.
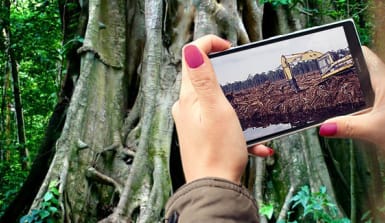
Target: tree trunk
<point x="12" y="66"/>
<point x="378" y="13"/>
<point x="5" y="119"/>
<point x="111" y="162"/>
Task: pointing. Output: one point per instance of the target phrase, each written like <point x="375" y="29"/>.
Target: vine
<point x="49" y="209"/>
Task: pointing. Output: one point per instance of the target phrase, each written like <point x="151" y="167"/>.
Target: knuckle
<point x="203" y="83"/>
<point x="207" y="37"/>
<point x="349" y="130"/>
<point x="211" y="36"/>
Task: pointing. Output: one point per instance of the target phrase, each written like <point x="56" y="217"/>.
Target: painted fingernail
<point x="271" y="152"/>
<point x="193" y="56"/>
<point x="328" y="129"/>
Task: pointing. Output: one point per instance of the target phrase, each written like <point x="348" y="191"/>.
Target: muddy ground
<point x="276" y="102"/>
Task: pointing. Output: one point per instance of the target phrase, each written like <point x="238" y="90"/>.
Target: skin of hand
<point x="209" y="133"/>
<point x="369" y="126"/>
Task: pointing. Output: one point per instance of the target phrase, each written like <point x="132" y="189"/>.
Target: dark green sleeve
<point x="211" y="200"/>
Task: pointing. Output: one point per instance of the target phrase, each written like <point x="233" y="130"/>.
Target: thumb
<point x="201" y="76"/>
<point x="200" y="71"/>
<point x="356" y="127"/>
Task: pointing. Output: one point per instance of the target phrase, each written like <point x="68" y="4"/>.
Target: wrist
<point x="215" y="174"/>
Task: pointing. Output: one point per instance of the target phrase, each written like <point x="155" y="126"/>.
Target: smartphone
<point x="288" y="83"/>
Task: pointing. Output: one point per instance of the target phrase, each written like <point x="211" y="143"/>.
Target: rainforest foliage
<point x="36" y="42"/>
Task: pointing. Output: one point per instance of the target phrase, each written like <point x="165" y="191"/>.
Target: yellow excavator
<point x="326" y="64"/>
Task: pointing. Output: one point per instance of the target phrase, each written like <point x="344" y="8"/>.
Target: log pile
<point x="274" y="102"/>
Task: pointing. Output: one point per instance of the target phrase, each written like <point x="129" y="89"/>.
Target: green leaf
<point x="53" y="184"/>
<point x="26" y="219"/>
<point x="267" y="210"/>
<point x="55" y="191"/>
<point x="35" y="213"/>
<point x="53" y="209"/>
<point x="44" y="214"/>
<point x="45" y="204"/>
<point x="48" y="196"/>
<point x="54" y="201"/>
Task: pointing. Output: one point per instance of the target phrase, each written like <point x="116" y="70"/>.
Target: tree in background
<point x="29" y="42"/>
<point x="11" y="68"/>
<point x="378" y="15"/>
<point x="111" y="132"/>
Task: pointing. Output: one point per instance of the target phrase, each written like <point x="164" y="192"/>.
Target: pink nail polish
<point x="271" y="152"/>
<point x="328" y="129"/>
<point x="193" y="56"/>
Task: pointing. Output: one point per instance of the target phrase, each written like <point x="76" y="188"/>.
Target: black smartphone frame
<point x="359" y="64"/>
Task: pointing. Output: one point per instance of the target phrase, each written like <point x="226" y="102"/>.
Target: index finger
<point x="211" y="43"/>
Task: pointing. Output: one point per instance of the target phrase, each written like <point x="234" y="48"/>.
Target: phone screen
<point x="296" y="81"/>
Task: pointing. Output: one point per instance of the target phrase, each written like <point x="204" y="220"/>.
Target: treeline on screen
<point x="300" y="68"/>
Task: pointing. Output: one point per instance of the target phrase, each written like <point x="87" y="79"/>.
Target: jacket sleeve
<point x="211" y="200"/>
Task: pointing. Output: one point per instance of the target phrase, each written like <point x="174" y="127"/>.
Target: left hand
<point x="210" y="136"/>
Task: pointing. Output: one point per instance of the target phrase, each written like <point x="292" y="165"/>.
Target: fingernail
<point x="328" y="129"/>
<point x="271" y="152"/>
<point x="193" y="56"/>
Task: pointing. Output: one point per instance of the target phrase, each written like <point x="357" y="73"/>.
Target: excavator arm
<point x="286" y="60"/>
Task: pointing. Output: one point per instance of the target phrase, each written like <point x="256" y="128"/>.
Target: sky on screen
<point x="237" y="67"/>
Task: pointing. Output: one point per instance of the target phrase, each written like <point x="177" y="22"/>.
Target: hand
<point x="210" y="136"/>
<point x="369" y="126"/>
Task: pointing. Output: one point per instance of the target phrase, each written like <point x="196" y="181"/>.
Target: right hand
<point x="369" y="126"/>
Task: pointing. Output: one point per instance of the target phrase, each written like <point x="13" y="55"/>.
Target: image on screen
<point x="290" y="84"/>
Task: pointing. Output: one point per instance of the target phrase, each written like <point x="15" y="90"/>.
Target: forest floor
<point x="276" y="102"/>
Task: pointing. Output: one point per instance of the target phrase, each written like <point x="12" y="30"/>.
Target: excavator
<point x="326" y="64"/>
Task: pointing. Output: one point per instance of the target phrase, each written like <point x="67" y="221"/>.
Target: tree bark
<point x="5" y="120"/>
<point x="376" y="9"/>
